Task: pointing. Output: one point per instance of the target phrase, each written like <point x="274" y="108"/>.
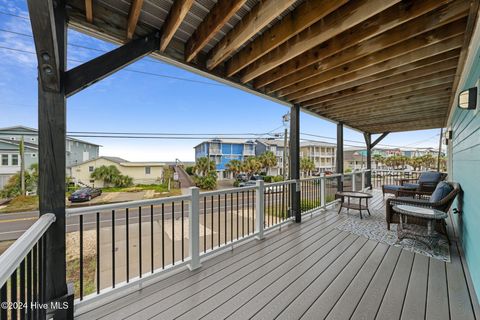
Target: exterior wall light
<point x="468" y="99"/>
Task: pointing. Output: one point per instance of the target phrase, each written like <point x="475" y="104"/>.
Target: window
<point x="14" y="159"/>
<point x="147" y="170"/>
<point x="90" y="169"/>
<point x="4" y="159"/>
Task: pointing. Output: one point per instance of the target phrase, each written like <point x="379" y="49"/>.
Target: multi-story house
<point x="221" y="151"/>
<point x="277" y="147"/>
<point x="77" y="151"/>
<point x="322" y="153"/>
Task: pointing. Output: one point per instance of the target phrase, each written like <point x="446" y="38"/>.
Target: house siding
<point x="465" y="164"/>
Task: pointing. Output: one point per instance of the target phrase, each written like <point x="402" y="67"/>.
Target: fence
<point x="382" y="177"/>
<point x="117" y="245"/>
<point x="22" y="281"/>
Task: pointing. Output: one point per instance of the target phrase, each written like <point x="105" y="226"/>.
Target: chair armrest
<point x="408" y="201"/>
<point x="403" y="180"/>
<point x="413" y="193"/>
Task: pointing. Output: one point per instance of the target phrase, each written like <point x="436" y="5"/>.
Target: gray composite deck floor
<point x="307" y="271"/>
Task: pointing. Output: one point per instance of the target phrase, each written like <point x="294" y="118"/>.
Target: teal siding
<point x="466" y="171"/>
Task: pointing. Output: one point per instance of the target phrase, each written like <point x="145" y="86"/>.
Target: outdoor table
<point x="431" y="215"/>
<point x="355" y="206"/>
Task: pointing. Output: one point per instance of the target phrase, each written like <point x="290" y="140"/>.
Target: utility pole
<point x="22" y="166"/>
<point x="439" y="149"/>
<point x="285" y="119"/>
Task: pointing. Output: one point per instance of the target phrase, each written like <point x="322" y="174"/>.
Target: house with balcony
<point x="222" y="151"/>
<point x="77" y="151"/>
<point x="277" y="146"/>
<point x="285" y="250"/>
<point x="322" y="153"/>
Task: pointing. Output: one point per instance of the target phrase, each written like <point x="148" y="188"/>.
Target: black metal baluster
<point x="183" y="232"/>
<point x="127" y="240"/>
<point x="237" y="215"/>
<point x="265" y="209"/>
<point x="211" y="218"/>
<point x="42" y="276"/>
<point x="204" y="224"/>
<point x="140" y="242"/>
<point x="152" y="266"/>
<point x="231" y="217"/>
<point x="173" y="233"/>
<point x="13" y="294"/>
<point x="3" y="298"/>
<point x="225" y="222"/>
<point x="113" y="248"/>
<point x="219" y="221"/>
<point x="34" y="280"/>
<point x="248" y="211"/>
<point x="22" y="290"/>
<point x="81" y="256"/>
<point x="29" y="285"/>
<point x="98" y="252"/>
<point x="243" y="213"/>
<point x="163" y="235"/>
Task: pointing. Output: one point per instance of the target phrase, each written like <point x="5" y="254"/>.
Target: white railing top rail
<point x="13" y="256"/>
<point x="226" y="191"/>
<point x="122" y="205"/>
<point x="280" y="183"/>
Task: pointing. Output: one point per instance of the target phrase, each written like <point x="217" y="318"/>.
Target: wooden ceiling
<point x="374" y="65"/>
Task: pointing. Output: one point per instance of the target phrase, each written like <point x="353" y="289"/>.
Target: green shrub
<point x="306" y="204"/>
<point x="277" y="178"/>
<point x="207" y="182"/>
<point x="268" y="179"/>
<point x="236" y="183"/>
<point x="190" y="170"/>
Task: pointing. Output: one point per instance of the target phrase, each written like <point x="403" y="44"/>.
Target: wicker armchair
<point x="425" y="183"/>
<point x="421" y="199"/>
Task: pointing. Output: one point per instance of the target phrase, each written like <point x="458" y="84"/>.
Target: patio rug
<point x="374" y="227"/>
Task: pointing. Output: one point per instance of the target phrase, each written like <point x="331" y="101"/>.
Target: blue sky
<point x="134" y="102"/>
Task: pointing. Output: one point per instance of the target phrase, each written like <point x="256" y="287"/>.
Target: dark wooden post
<point x="295" y="160"/>
<point x="48" y="21"/>
<point x="368" y="143"/>
<point x="340" y="155"/>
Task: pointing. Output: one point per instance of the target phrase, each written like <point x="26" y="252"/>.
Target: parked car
<point x="248" y="183"/>
<point x="242" y="177"/>
<point x="256" y="177"/>
<point x="85" y="194"/>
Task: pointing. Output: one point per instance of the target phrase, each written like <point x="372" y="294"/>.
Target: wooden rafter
<point x="357" y="93"/>
<point x="348" y="45"/>
<point x="89" y="10"/>
<point x="133" y="16"/>
<point x="378" y="80"/>
<point x="215" y="20"/>
<point x="295" y="22"/>
<point x="351" y="14"/>
<point x="259" y="17"/>
<point x="175" y="17"/>
<point x="365" y="54"/>
<point x="335" y="77"/>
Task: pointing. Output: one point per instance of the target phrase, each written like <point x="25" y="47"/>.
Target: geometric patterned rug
<point x="374" y="227"/>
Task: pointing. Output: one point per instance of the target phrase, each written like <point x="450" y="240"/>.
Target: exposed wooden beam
<point x="355" y="92"/>
<point x="133" y="16"/>
<point x="94" y="70"/>
<point x="472" y="20"/>
<point x="89" y="10"/>
<point x="386" y="77"/>
<point x="382" y="98"/>
<point x="211" y="25"/>
<point x="259" y="17"/>
<point x="350" y="15"/>
<point x="376" y="72"/>
<point x="406" y="119"/>
<point x="405" y="127"/>
<point x="421" y="46"/>
<point x="175" y="17"/>
<point x="382" y="136"/>
<point x="295" y="22"/>
<point x="374" y="28"/>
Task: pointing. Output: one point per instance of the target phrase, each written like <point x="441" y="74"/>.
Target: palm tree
<point x="268" y="160"/>
<point x="307" y="165"/>
<point x="234" y="166"/>
<point x="106" y="173"/>
<point x="203" y="166"/>
<point x="252" y="165"/>
<point x="378" y="158"/>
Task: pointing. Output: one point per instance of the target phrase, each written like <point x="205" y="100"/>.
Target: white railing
<point x="213" y="220"/>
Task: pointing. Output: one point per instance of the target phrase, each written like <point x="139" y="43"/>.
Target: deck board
<point x="306" y="271"/>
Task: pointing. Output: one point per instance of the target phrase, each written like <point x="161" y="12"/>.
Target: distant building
<point x="323" y="154"/>
<point x="221" y="151"/>
<point x="140" y="172"/>
<point x="277" y="147"/>
<point x="77" y="151"/>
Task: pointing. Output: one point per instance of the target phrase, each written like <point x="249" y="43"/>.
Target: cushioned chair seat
<point x="412" y="186"/>
<point x="392" y="187"/>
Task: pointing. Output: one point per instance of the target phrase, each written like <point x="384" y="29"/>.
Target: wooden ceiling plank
<point x="295" y="22"/>
<point x="373" y="28"/>
<point x="385" y="96"/>
<point x="426" y="44"/>
<point x="346" y="95"/>
<point x="379" y="80"/>
<point x="175" y="17"/>
<point x="407" y="125"/>
<point x="218" y="16"/>
<point x="258" y="18"/>
<point x="133" y="16"/>
<point x="344" y="18"/>
<point x="89" y="10"/>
